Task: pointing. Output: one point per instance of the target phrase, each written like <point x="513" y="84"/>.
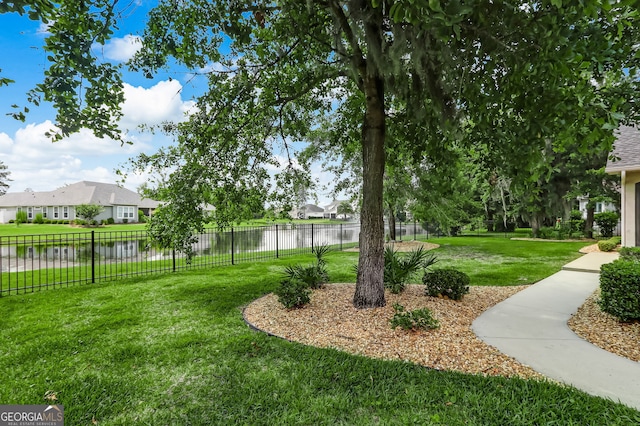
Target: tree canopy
<point x="4" y="178"/>
<point x="516" y="78"/>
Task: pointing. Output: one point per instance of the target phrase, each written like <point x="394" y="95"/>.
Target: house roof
<point x="626" y="150"/>
<point x="334" y="205"/>
<point x="311" y="208"/>
<point x="102" y="194"/>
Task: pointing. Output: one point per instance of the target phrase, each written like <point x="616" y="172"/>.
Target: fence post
<point x="93" y="257"/>
<point x="312" y="238"/>
<point x="340" y="237"/>
<point x="232" y="248"/>
<point x="277" y="252"/>
<point x="400" y="230"/>
<point x="415" y="235"/>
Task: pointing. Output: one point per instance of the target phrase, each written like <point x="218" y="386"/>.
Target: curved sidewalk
<point x="531" y="326"/>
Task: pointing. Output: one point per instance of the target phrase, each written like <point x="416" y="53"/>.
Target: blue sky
<point x="37" y="163"/>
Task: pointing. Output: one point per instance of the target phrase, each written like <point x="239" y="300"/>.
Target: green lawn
<point x="174" y="349"/>
<point x="11" y="229"/>
<point x="501" y="261"/>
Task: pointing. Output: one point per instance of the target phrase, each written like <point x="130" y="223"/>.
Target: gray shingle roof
<point x="103" y="194"/>
<point x="626" y="151"/>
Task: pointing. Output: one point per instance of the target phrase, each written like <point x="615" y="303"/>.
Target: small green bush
<point x="399" y="269"/>
<point x="419" y="319"/>
<point x="607" y="245"/>
<point x="314" y="275"/>
<point x="620" y="289"/>
<point x="630" y="253"/>
<point x="446" y="282"/>
<point x="607" y="222"/>
<point x="547" y="233"/>
<point x="110" y="221"/>
<point x="293" y="293"/>
<point x="21" y="217"/>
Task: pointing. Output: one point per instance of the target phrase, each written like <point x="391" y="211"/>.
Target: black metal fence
<point x="34" y="262"/>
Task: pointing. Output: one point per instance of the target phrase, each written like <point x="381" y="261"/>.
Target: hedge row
<point x="620" y="288"/>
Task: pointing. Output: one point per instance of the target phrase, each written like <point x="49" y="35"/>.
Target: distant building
<point x="119" y="203"/>
<point x="331" y="211"/>
<point x="308" y="211"/>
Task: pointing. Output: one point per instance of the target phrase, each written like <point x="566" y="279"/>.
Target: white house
<point x="118" y="203"/>
<point x="625" y="161"/>
<point x="308" y="211"/>
<point x="331" y="211"/>
<point x="600" y="207"/>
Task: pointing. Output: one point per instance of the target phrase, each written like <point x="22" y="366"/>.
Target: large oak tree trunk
<point x="588" y="223"/>
<point x="370" y="285"/>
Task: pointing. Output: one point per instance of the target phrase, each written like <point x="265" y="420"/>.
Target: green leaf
<point x="435" y="5"/>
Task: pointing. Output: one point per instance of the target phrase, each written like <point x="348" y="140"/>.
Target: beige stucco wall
<point x="629" y="180"/>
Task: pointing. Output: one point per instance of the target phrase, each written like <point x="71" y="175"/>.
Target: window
<point x="125" y="212"/>
<point x="56" y="213"/>
<point x="65" y="212"/>
<point x="44" y="212"/>
<point x="30" y="213"/>
<point x="598" y="207"/>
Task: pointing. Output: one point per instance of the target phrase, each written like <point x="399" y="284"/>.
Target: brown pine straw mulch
<point x="330" y="320"/>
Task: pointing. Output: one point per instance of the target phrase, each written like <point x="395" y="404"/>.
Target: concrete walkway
<point x="531" y="326"/>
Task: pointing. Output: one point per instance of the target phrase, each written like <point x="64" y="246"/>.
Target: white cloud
<point x="122" y="49"/>
<point x="152" y="106"/>
<point x="36" y="162"/>
<point x="43" y="29"/>
<point x="31" y="142"/>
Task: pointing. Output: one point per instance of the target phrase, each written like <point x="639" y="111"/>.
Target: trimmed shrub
<point x="419" y="319"/>
<point x="293" y="293"/>
<point x="446" y="282"/>
<point x="630" y="253"/>
<point x="110" y="221"/>
<point x="39" y="219"/>
<point x="607" y="245"/>
<point x="620" y="289"/>
<point x="607" y="222"/>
